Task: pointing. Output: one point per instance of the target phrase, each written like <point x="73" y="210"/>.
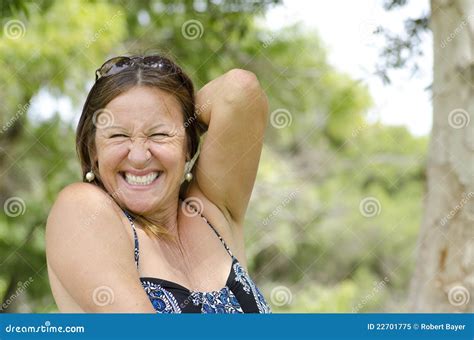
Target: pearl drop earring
<point x="188" y="166"/>
<point x="90" y="176"/>
<point x="188" y="177"/>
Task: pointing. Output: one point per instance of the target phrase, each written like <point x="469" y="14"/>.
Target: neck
<point x="167" y="217"/>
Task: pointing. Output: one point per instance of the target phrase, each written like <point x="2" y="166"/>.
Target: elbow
<point x="242" y="78"/>
<point x="241" y="84"/>
<point x="243" y="89"/>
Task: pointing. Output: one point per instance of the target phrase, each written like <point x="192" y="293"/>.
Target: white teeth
<point x="141" y="180"/>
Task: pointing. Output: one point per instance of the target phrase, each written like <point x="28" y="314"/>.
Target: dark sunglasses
<point x="118" y="64"/>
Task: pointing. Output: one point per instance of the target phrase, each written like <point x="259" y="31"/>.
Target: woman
<point x="153" y="222"/>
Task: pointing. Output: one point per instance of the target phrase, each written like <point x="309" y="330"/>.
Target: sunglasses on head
<point x="118" y="64"/>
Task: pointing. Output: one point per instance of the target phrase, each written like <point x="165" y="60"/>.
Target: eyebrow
<point x="149" y="129"/>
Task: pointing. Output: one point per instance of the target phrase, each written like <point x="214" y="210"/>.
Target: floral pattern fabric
<point x="222" y="301"/>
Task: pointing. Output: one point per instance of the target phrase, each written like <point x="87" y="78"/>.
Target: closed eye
<point x="118" y="135"/>
<point x="160" y="135"/>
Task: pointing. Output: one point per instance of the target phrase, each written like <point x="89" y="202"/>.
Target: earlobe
<point x="94" y="160"/>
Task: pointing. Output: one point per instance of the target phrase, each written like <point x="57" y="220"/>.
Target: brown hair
<point x="170" y="79"/>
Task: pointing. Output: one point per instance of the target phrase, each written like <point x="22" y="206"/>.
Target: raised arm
<point x="91" y="254"/>
<point x="234" y="107"/>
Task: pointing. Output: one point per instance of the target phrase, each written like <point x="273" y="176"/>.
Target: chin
<point x="139" y="206"/>
<point x="138" y="211"/>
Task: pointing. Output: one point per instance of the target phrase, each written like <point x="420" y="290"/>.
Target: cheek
<point x="170" y="156"/>
<point x="110" y="156"/>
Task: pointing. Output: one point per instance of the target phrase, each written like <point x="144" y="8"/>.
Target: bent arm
<point x="234" y="107"/>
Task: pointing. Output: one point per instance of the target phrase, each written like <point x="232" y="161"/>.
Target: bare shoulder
<point x="77" y="208"/>
<point x="84" y="201"/>
<point x="89" y="251"/>
<point x="82" y="191"/>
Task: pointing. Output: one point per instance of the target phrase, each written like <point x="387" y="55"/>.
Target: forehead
<point x="143" y="105"/>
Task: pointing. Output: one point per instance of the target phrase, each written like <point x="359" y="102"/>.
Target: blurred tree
<point x="444" y="274"/>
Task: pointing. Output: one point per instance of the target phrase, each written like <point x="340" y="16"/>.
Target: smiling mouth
<point x="140" y="180"/>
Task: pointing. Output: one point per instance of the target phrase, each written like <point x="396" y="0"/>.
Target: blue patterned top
<point x="239" y="295"/>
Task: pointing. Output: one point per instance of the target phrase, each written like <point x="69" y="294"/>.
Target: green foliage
<point x="346" y="101"/>
<point x="304" y="227"/>
<point x="312" y="236"/>
<point x="59" y="49"/>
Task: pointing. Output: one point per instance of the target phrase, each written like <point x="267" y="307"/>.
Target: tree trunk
<point x="444" y="277"/>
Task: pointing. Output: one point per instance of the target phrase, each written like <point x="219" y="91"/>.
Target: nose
<point x="139" y="154"/>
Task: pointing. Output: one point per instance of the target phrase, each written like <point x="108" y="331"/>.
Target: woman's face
<point x="141" y="148"/>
